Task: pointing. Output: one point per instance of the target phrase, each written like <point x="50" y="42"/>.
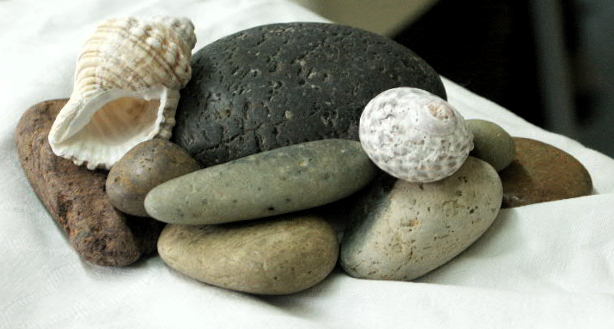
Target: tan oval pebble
<point x="404" y="230"/>
<point x="144" y="167"/>
<point x="280" y="255"/>
<point x="540" y="173"/>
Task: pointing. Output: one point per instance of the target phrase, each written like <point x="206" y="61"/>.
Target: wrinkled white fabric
<point x="548" y="265"/>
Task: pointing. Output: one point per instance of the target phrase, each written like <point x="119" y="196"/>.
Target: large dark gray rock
<point x="282" y="84"/>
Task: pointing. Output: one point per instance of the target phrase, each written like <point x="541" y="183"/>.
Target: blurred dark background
<point x="549" y="61"/>
<point x="485" y="46"/>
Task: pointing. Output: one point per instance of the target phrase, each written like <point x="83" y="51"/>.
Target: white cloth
<point x="548" y="265"/>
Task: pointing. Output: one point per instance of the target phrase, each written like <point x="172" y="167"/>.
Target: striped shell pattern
<point x="126" y="89"/>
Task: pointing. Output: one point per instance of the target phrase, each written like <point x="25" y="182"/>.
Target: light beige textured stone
<point x="404" y="230"/>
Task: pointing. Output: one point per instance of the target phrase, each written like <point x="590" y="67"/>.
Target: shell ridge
<point x="148" y="56"/>
<point x="61" y="125"/>
<point x="126" y="89"/>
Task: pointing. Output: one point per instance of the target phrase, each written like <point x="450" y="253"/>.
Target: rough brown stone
<point x="76" y="197"/>
<point x="541" y="173"/>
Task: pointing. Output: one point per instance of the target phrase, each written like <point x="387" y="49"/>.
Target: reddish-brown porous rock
<point x="76" y="198"/>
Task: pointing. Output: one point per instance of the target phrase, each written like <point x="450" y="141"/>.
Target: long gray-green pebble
<point x="270" y="183"/>
<point x="492" y="143"/>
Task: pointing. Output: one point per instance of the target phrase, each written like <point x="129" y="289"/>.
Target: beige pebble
<point x="280" y="255"/>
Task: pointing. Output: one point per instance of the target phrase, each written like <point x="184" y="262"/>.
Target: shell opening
<point x="123" y="117"/>
<point x="111" y="122"/>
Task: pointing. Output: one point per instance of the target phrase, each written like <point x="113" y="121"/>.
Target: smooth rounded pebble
<point x="281" y="84"/>
<point x="276" y="256"/>
<point x="492" y="143"/>
<point x="542" y="173"/>
<point x="403" y="230"/>
<point x="144" y="167"/>
<point x="270" y="183"/>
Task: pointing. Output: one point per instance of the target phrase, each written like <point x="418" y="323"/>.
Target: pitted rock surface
<point x="282" y="84"/>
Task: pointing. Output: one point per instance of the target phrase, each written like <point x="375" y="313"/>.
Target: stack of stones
<point x="266" y="136"/>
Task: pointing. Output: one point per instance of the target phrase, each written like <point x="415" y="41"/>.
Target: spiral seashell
<point x="126" y="89"/>
<point x="414" y="135"/>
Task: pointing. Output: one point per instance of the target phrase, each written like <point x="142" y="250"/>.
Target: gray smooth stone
<point x="403" y="230"/>
<point x="276" y="256"/>
<point x="270" y="183"/>
<point x="492" y="143"/>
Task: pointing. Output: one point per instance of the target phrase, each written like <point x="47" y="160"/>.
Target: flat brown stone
<point x="76" y="197"/>
<point x="540" y="173"/>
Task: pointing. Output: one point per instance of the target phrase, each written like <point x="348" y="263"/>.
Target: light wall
<point x="384" y="17"/>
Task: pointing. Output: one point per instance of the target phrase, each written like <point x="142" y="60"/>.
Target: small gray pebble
<point x="492" y="143"/>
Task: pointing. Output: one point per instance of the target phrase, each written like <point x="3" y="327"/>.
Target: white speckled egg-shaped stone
<point x="414" y="135"/>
